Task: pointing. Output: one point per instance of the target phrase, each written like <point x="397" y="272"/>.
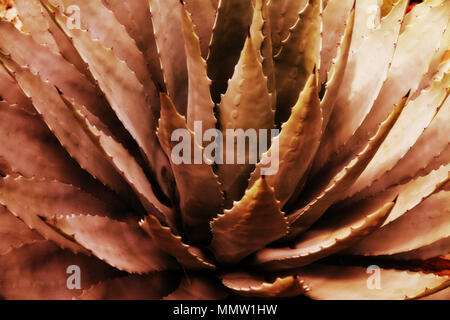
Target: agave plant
<point x="94" y="205"/>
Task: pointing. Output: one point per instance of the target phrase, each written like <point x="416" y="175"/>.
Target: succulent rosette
<point x="95" y="202"/>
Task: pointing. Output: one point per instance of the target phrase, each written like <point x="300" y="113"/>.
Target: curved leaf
<point x="13" y="232"/>
<point x="200" y="106"/>
<point x="361" y="85"/>
<point x="296" y="144"/>
<point x="326" y="238"/>
<point x="123" y="245"/>
<point x="199" y="190"/>
<point x="188" y="256"/>
<point x="245" y="284"/>
<point x="299" y="55"/>
<point x="303" y="218"/>
<point x="246" y="106"/>
<point x="252" y="223"/>
<point x="352" y="283"/>
<point x="233" y="20"/>
<point x="167" y="24"/>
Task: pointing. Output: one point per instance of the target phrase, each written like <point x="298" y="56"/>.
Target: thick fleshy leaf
<point x="41" y="270"/>
<point x="334" y="16"/>
<point x="296" y="144"/>
<point x="361" y="85"/>
<point x="167" y="23"/>
<point x="11" y="93"/>
<point x="231" y="27"/>
<point x="123" y="245"/>
<point x="13" y="232"/>
<point x="420" y="226"/>
<point x="44" y="31"/>
<point x="41" y="154"/>
<point x="198" y="287"/>
<point x="57" y="71"/>
<point x="252" y="223"/>
<point x="135" y="16"/>
<point x="303" y="218"/>
<point x="188" y="256"/>
<point x="149" y="287"/>
<point x="336" y="72"/>
<point x="203" y="13"/>
<point x="60" y="119"/>
<point x="417" y="115"/>
<point x="443" y="294"/>
<point x="297" y="58"/>
<point x="416" y="46"/>
<point x="245" y="284"/>
<point x="429" y="152"/>
<point x="126" y="166"/>
<point x="125" y="94"/>
<point x="200" y="106"/>
<point x="199" y="190"/>
<point x="433" y="250"/>
<point x="260" y="33"/>
<point x="283" y="16"/>
<point x="414" y="192"/>
<point x="102" y="25"/>
<point x="246" y="105"/>
<point x="327" y="237"/>
<point x="30" y="199"/>
<point x="354" y="283"/>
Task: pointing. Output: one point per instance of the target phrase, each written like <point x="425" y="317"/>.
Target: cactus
<point x="98" y="200"/>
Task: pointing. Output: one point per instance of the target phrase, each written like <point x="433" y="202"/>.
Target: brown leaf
<point x="252" y="223"/>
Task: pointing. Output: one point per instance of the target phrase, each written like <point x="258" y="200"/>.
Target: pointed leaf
<point x="136" y="17"/>
<point x="102" y="25"/>
<point x="61" y="121"/>
<point x="41" y="155"/>
<point x="126" y="95"/>
<point x="336" y="72"/>
<point x="303" y="218"/>
<point x="198" y="186"/>
<point x="415" y="118"/>
<point x="335" y="21"/>
<point x="423" y="225"/>
<point x="260" y="33"/>
<point x="126" y="166"/>
<point x="56" y="70"/>
<point x="361" y="85"/>
<point x="12" y="94"/>
<point x="245" y="284"/>
<point x="123" y="245"/>
<point x="247" y="95"/>
<point x="200" y="106"/>
<point x="203" y="13"/>
<point x="186" y="255"/>
<point x="253" y="222"/>
<point x="297" y="58"/>
<point x="13" y="232"/>
<point x="44" y="31"/>
<point x="167" y="23"/>
<point x="328" y="237"/>
<point x="233" y="20"/>
<point x="351" y="283"/>
<point x="296" y="144"/>
<point x="283" y="16"/>
<point x="429" y="152"/>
